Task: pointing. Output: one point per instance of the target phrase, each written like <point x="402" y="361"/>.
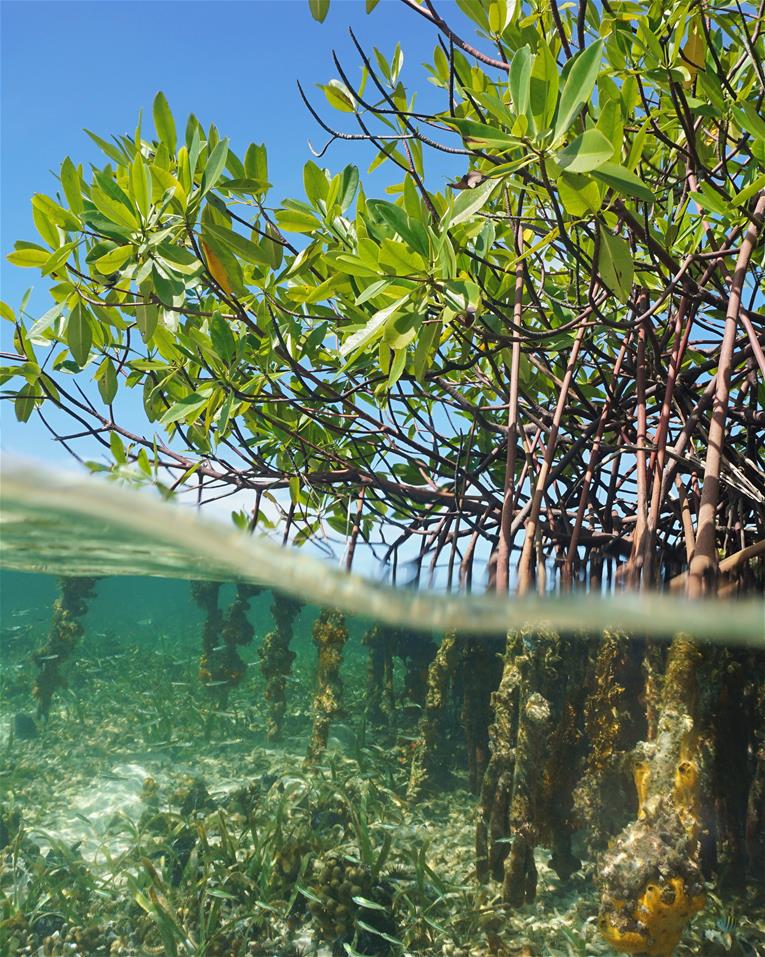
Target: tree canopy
<point x="554" y="363"/>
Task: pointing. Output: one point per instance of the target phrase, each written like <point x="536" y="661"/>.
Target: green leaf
<point x="248" y="250"/>
<point x="107" y="381"/>
<point x="748" y="191"/>
<point x="408" y="229"/>
<point x="371" y="4"/>
<point x="45" y="321"/>
<point x="57" y="259"/>
<point x="520" y="78"/>
<point x="636" y="149"/>
<point x="140" y="184"/>
<point x="79" y="335"/>
<point x="373" y="329"/>
<point x="623" y="181"/>
<point x="749" y="118"/>
<point x="579" y="194"/>
<point x="468" y="202"/>
<point x="70" y="181"/>
<point x="586" y="152"/>
<point x="711" y="200"/>
<point x="349" y="183"/>
<point x="339" y="96"/>
<point x="222" y="337"/>
<point x="578" y="88"/>
<point x="215" y="166"/>
<point x="253" y="187"/>
<point x="55" y="213"/>
<point x="319" y="9"/>
<point x="28" y="255"/>
<point x="428" y="341"/>
<point x="164" y="123"/>
<point x="6" y="312"/>
<point x="500" y="15"/>
<point x="482" y="135"/>
<point x="543" y="88"/>
<point x="292" y="219"/>
<point x="272" y="246"/>
<point x="26" y="400"/>
<point x="256" y="162"/>
<point x="113" y="209"/>
<point x="113" y="260"/>
<point x="146" y="317"/>
<point x="108" y="149"/>
<point x="315" y="183"/>
<point x="187" y="409"/>
<point x="399" y="258"/>
<point x="117" y="447"/>
<point x="615" y="264"/>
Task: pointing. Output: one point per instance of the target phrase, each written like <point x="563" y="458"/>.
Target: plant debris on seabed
<point x="149" y="815"/>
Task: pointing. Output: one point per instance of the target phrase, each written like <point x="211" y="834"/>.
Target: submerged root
<point x="496" y="787"/>
<point x="379" y="642"/>
<point x="613" y="725"/>
<point x="276" y="660"/>
<point x="65" y="631"/>
<point x="428" y="750"/>
<point x="205" y="595"/>
<point x="329" y="636"/>
<point x="527" y="790"/>
<point x="481" y="668"/>
<point x="755" y="807"/>
<point x="651" y="877"/>
<point x="520" y="879"/>
<point x="236" y="630"/>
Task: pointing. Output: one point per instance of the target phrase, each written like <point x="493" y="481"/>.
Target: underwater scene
<point x="219" y="768"/>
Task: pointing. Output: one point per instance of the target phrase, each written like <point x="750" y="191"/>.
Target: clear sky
<point x="67" y="66"/>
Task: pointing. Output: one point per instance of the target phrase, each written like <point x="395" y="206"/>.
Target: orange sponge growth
<point x="657" y="923"/>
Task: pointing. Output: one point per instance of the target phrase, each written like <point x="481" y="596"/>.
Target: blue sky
<point x="67" y="66"/>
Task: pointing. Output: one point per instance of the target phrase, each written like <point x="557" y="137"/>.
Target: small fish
<point x="728" y="922"/>
<point x="145" y="622"/>
<point x="21" y="613"/>
<point x="49" y="658"/>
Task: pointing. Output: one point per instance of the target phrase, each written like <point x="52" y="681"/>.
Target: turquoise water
<point x="222" y="769"/>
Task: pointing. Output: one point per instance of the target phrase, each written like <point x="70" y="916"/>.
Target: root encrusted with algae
<point x="520" y="878"/>
<point x="613" y="725"/>
<point x="65" y="631"/>
<point x="651" y="876"/>
<point x="481" y="670"/>
<point x="236" y="630"/>
<point x="428" y="751"/>
<point x="276" y="660"/>
<point x="329" y="635"/>
<point x="755" y="806"/>
<point x="380" y="703"/>
<point x="527" y="789"/>
<point x="497" y="785"/>
<point x="205" y="595"/>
